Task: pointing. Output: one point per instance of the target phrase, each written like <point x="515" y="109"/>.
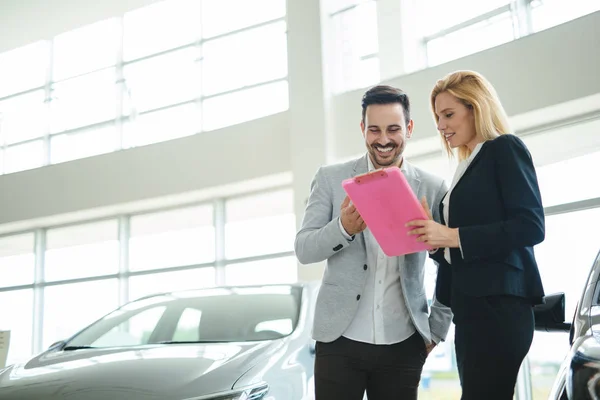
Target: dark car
<point x="579" y="374"/>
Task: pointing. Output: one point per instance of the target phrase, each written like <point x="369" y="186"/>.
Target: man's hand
<point x="429" y="348"/>
<point x="351" y="219"/>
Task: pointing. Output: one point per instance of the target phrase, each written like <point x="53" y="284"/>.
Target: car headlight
<point x="256" y="392"/>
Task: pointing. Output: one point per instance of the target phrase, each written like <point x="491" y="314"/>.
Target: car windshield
<point x="209" y="315"/>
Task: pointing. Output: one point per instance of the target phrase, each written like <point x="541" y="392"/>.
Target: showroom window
<point x="464" y="27"/>
<point x="355" y="59"/>
<point x="82" y="251"/>
<point x="121" y="83"/>
<point x="242" y="240"/>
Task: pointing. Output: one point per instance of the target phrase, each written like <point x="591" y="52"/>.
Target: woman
<point x="492" y="218"/>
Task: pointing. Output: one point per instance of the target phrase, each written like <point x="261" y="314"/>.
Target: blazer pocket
<point x="514" y="259"/>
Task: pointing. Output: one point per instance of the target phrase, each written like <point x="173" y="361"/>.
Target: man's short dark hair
<point x="383" y="94"/>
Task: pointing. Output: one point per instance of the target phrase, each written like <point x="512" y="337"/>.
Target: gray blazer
<point x="344" y="277"/>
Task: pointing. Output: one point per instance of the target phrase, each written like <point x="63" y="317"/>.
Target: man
<point x="372" y="325"/>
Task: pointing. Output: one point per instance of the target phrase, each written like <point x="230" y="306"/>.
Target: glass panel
<point x="562" y="182"/>
<point x="248" y="104"/>
<point x="549" y="349"/>
<point x="259" y="224"/>
<point x="158" y="126"/>
<point x="82" y="144"/>
<point x="23" y="117"/>
<point x="23" y="156"/>
<point x="368" y="72"/>
<point x="276" y="270"/>
<point x="188" y="326"/>
<point x="548" y="13"/>
<point x="133" y="332"/>
<point x="443" y="14"/>
<point x="245" y="58"/>
<point x="83" y="101"/>
<point x="86" y="49"/>
<point x="164" y="80"/>
<point x="82" y="250"/>
<point x="218" y="18"/>
<point x="70" y="308"/>
<point x="172" y="238"/>
<point x="144" y="285"/>
<point x="477" y="37"/>
<point x="439" y="379"/>
<point x="17" y="260"/>
<point x="355" y="36"/>
<point x="23" y="68"/>
<point x="180" y="18"/>
<point x="16" y="315"/>
<point x="233" y="315"/>
<point x="333" y="6"/>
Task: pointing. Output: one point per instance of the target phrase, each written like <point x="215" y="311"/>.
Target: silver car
<point x="228" y="343"/>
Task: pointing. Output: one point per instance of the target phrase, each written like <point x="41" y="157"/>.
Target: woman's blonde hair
<point x="476" y="93"/>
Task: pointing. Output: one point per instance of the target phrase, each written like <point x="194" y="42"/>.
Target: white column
<point x="390" y="34"/>
<point x="400" y="49"/>
<point x="308" y="102"/>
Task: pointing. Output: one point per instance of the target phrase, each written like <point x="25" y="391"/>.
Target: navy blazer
<point x="498" y="209"/>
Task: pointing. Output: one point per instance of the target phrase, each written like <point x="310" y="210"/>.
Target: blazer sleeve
<point x="319" y="237"/>
<point x="523" y="225"/>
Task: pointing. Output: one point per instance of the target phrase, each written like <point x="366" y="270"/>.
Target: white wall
<point x="545" y="69"/>
<point x="243" y="152"/>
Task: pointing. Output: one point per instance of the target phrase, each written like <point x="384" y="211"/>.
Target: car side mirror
<point x="57" y="345"/>
<point x="550" y="316"/>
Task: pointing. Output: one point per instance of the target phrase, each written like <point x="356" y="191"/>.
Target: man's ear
<point x="409" y="129"/>
<point x="362" y="127"/>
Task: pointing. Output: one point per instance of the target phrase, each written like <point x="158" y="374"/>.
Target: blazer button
<point x="365" y="267"/>
<point x="358" y="297"/>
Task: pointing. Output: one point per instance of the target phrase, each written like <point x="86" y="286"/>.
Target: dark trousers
<point x="492" y="337"/>
<point x="345" y="369"/>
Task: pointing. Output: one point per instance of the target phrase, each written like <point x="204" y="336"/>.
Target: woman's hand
<point x="434" y="234"/>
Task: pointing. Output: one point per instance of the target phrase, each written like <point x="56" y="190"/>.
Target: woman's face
<point x="456" y="121"/>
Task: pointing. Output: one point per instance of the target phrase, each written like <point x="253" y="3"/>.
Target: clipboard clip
<point x="370" y="176"/>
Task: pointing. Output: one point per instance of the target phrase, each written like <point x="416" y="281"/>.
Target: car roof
<point x="311" y="284"/>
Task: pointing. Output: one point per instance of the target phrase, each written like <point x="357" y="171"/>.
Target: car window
<point x="210" y="315"/>
<point x="133" y="331"/>
<point x="188" y="327"/>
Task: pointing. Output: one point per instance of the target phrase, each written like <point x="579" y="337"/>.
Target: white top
<point x="382" y="316"/>
<point x="460" y="171"/>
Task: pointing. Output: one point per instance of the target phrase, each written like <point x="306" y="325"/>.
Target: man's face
<point x="385" y="132"/>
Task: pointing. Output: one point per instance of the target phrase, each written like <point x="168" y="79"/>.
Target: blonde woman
<point x="492" y="216"/>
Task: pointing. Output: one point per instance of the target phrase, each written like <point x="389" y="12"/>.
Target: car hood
<point x="174" y="371"/>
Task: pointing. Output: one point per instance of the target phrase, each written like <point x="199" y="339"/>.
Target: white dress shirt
<point x="382" y="316"/>
<point x="460" y="171"/>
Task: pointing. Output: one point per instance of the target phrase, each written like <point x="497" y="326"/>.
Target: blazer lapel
<point x="410" y="173"/>
<point x="361" y="166"/>
<point x="472" y="164"/>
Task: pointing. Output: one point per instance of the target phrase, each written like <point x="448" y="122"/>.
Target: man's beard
<point x="387" y="162"/>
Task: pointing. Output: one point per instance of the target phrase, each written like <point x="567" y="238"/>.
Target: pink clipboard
<point x="386" y="203"/>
